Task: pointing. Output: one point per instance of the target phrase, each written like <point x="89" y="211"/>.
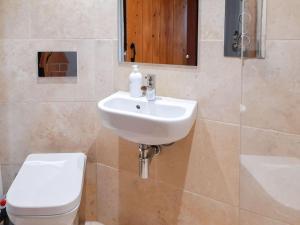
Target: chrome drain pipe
<point x="147" y="152"/>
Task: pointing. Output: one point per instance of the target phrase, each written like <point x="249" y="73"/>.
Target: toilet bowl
<point x="47" y="190"/>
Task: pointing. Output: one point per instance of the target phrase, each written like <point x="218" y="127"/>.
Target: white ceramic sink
<point x="162" y="121"/>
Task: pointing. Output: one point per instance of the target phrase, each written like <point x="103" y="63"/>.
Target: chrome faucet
<point x="149" y="88"/>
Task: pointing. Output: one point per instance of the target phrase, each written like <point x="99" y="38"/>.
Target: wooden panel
<point x="192" y="32"/>
<point x="156" y="30"/>
<point x="166" y="31"/>
<point x="134" y="25"/>
<point x="159" y="29"/>
<point x="180" y="32"/>
<point x="147" y="31"/>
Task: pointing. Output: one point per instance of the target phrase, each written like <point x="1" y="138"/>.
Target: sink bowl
<point x="158" y="122"/>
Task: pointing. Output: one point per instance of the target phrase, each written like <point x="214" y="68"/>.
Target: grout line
<point x="207" y="197"/>
<point x="292" y="39"/>
<point x="219" y="121"/>
<point x="270" y="130"/>
<point x="109" y="167"/>
<point x="261" y="215"/>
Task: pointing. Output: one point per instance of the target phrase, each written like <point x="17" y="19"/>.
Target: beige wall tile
<point x="47" y="127"/>
<point x="211" y="22"/>
<point x="271" y="88"/>
<point x="213" y="168"/>
<point x="283" y="19"/>
<point x="219" y="84"/>
<point x="118" y="153"/>
<point x="206" y="162"/>
<point x="14" y="69"/>
<point x="14" y="19"/>
<point x="74" y="19"/>
<point x="8" y="172"/>
<point x="104" y="79"/>
<point x="248" y="218"/>
<point x="108" y="148"/>
<point x="126" y="199"/>
<point x="88" y="207"/>
<point x="106" y="15"/>
<point x="270" y="143"/>
<point x="18" y="72"/>
<point x="195" y="209"/>
<point x="107" y="195"/>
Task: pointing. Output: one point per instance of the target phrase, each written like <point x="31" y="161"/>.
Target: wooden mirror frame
<point x="184" y="56"/>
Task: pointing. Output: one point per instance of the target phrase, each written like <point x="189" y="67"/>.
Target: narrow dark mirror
<point x="57" y="64"/>
<point x="159" y="31"/>
<point x="245" y="28"/>
<point x="233" y="28"/>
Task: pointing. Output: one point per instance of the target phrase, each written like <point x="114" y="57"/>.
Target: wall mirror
<point x="159" y="31"/>
<point x="245" y="28"/>
<point x="57" y="64"/>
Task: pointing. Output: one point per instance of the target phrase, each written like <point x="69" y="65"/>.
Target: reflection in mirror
<point x="254" y="28"/>
<point x="233" y="28"/>
<point x="245" y="28"/>
<point x="57" y="64"/>
<point x="159" y="31"/>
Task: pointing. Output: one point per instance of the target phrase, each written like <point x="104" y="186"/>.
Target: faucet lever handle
<point x="150" y="80"/>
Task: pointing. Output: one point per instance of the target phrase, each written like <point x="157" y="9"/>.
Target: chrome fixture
<point x="57" y="64"/>
<point x="149" y="88"/>
<point x="147" y="152"/>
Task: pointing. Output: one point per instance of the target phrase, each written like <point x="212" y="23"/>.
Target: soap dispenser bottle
<point x="135" y="82"/>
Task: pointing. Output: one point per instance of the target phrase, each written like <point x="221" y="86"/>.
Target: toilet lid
<point x="47" y="184"/>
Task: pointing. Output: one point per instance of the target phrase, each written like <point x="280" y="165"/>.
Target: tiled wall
<point x="199" y="180"/>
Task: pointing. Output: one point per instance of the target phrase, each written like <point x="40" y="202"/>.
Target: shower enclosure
<point x="270" y="110"/>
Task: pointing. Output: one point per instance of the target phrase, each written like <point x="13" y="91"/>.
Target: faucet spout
<point x="150" y="87"/>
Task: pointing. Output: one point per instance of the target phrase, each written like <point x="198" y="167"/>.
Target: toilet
<point x="47" y="190"/>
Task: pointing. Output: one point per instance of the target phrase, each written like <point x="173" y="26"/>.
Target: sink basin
<point x="162" y="121"/>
